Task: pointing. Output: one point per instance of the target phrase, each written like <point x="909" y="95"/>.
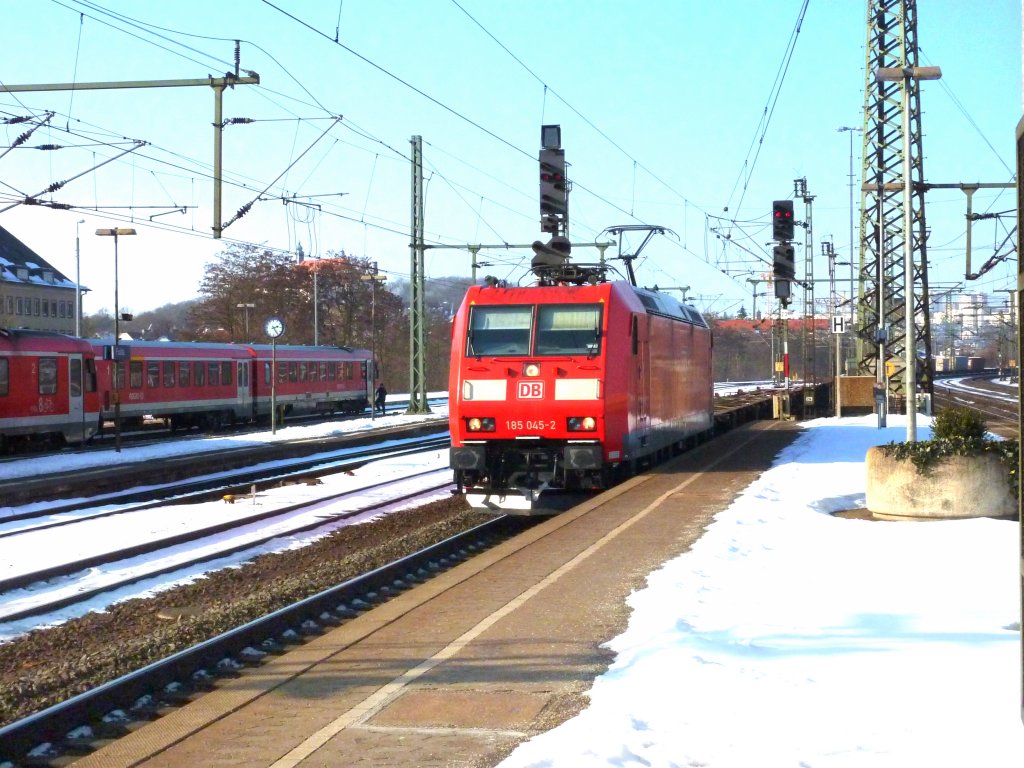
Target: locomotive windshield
<point x="568" y="330"/>
<point x="500" y="331"/>
<point x="555" y="330"/>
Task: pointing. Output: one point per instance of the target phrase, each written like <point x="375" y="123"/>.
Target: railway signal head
<point x="784" y="262"/>
<point x="783" y="291"/>
<point x="782" y="220"/>
<point x="554" y="197"/>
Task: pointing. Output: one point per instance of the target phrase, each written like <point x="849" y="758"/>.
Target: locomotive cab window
<point x="568" y="330"/>
<point x="499" y="331"/>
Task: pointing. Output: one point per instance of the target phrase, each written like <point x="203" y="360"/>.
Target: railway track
<point x="211" y="486"/>
<point x="75" y="726"/>
<point x="995" y="401"/>
<point x="58" y="582"/>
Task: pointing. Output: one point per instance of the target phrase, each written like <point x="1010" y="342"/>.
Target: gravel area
<point x="48" y="666"/>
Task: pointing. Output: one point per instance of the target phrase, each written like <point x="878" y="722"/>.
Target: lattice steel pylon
<point x="892" y="42"/>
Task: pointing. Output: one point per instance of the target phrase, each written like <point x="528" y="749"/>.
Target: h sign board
<point x="839" y="323"/>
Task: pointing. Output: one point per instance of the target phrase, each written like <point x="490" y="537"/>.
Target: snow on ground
<point x="789" y="637"/>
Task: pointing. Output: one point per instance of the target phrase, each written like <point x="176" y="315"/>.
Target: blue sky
<point x="660" y="105"/>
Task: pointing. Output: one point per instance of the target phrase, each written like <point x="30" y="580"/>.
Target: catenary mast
<point x="892" y="43"/>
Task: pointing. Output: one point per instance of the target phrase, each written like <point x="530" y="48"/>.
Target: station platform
<point x="459" y="670"/>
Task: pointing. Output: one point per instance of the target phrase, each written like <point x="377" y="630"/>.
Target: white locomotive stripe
<point x="577" y="389"/>
<point x="484" y="389"/>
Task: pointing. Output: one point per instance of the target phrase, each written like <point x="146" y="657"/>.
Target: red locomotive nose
<point x="582" y="381"/>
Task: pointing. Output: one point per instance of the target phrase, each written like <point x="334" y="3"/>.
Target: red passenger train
<point x="195" y="384"/>
<point x="47" y="388"/>
<point x="571" y="386"/>
<point x="60" y="389"/>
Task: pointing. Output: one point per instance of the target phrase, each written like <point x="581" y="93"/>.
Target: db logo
<point x="531" y="390"/>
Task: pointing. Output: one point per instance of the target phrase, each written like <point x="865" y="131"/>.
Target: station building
<point x="33" y="294"/>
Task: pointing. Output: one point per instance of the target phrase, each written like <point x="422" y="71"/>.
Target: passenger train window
<point x="293" y="372"/>
<point x="75" y="378"/>
<point x="184" y="373"/>
<point x="135" y="374"/>
<point x="200" y="380"/>
<point x="153" y="374"/>
<point x="168" y="373"/>
<point x="225" y="374"/>
<point x="499" y="331"/>
<point x="568" y="330"/>
<point x="5" y="376"/>
<point x="214" y="374"/>
<point x="47" y="376"/>
<point x="90" y="375"/>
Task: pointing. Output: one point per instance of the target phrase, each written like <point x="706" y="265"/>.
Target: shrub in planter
<point x="956" y="432"/>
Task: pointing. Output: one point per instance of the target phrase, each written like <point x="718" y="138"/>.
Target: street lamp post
<point x="78" y="281"/>
<point x="246" y="306"/>
<point x="118" y="369"/>
<point x="851" y="131"/>
<point x="316" y="304"/>
<point x="903" y="75"/>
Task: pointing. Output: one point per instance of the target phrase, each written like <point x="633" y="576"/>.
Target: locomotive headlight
<point x="480" y="425"/>
<point x="531" y="369"/>
<point x="582" y="424"/>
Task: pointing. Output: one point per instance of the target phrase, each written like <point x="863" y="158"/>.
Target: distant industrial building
<point x="32" y="293"/>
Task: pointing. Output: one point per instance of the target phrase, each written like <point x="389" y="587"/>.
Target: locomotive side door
<point x="640" y="421"/>
<point x="76" y="407"/>
<point x="645" y="381"/>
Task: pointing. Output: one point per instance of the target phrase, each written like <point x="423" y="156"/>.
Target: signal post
<point x="783" y="271"/>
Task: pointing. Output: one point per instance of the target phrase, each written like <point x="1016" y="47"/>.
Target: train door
<point x="245" y="402"/>
<point x="76" y="389"/>
<point x="642" y="387"/>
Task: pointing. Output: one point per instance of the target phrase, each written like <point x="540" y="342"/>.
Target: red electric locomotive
<point x="47" y="388"/>
<point x="570" y="385"/>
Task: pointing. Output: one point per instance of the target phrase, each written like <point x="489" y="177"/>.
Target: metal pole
<point x="909" y="340"/>
<point x="78" y="281"/>
<point x="316" y="305"/>
<point x="117" y="358"/>
<point x="373" y="344"/>
<point x="218" y="133"/>
<point x="273" y="386"/>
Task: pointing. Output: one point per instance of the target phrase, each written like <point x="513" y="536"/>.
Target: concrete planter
<point x="952" y="488"/>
